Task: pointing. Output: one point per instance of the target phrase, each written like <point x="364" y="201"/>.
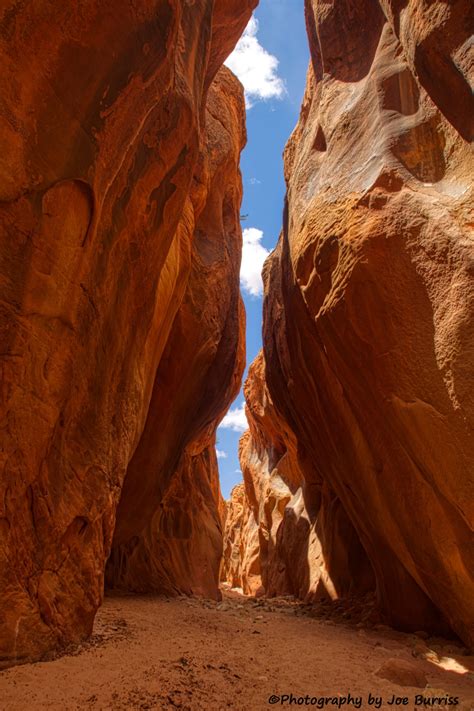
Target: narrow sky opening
<point x="271" y="62"/>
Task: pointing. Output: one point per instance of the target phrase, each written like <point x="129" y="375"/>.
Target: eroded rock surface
<point x="369" y="319"/>
<point x="111" y="245"/>
<point x="168" y="534"/>
<point x="242" y="565"/>
<point x="297" y="538"/>
<point x="368" y="325"/>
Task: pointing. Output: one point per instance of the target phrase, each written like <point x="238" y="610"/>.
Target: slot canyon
<point x="342" y="567"/>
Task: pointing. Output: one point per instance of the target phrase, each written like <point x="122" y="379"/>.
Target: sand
<point x="155" y="653"/>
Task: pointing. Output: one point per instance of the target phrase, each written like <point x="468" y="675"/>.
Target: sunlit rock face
<point x="241" y="567"/>
<point x="112" y="242"/>
<point x="368" y="318"/>
<point x="293" y="539"/>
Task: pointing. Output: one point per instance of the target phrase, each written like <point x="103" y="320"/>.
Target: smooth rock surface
<point x="168" y="534"/>
<point x="361" y="411"/>
<point x="368" y="317"/>
<point x="104" y="227"/>
<point x="402" y="673"/>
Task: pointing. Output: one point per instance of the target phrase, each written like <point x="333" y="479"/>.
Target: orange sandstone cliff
<point x="369" y="320"/>
<point x="299" y="540"/>
<point x="121" y="324"/>
<point x="168" y="532"/>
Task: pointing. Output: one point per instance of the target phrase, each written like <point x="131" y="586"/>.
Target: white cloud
<point x="235" y="420"/>
<point x="255" y="181"/>
<point x="253" y="257"/>
<point x="256" y="68"/>
<point x="220" y="454"/>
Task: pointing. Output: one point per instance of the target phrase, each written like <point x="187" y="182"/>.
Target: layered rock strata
<point x="114" y="232"/>
<point x="368" y="317"/>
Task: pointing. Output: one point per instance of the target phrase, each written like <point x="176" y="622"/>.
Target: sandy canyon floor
<point x="154" y="653"/>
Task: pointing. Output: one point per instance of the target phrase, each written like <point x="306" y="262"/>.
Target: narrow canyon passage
<point x="342" y="562"/>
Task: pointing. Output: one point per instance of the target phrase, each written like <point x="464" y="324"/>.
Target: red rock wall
<point x="160" y="516"/>
<point x="241" y="564"/>
<point x="103" y="225"/>
<point x="368" y="318"/>
<point x="296" y="536"/>
<point x="179" y="549"/>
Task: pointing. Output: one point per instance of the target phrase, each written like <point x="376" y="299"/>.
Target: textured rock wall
<point x="368" y="318"/>
<point x="178" y="549"/>
<point x="103" y="227"/>
<point x="168" y="488"/>
<point x="298" y="537"/>
<point x="241" y="556"/>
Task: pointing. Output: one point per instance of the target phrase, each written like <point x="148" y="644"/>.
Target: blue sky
<point x="271" y="61"/>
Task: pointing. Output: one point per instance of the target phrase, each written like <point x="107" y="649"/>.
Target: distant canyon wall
<point x="368" y="359"/>
<point x="121" y="320"/>
<point x="281" y="536"/>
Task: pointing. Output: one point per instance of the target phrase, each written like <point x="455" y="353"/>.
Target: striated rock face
<point x="119" y="243"/>
<point x="350" y="266"/>
<point x="368" y="324"/>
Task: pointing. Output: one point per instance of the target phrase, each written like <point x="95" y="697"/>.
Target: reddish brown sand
<point x="154" y="653"/>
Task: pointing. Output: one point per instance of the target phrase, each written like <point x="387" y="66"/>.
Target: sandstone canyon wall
<point x="241" y="566"/>
<point x="369" y="319"/>
<point x="168" y="533"/>
<point x="277" y="539"/>
<point x="119" y="245"/>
